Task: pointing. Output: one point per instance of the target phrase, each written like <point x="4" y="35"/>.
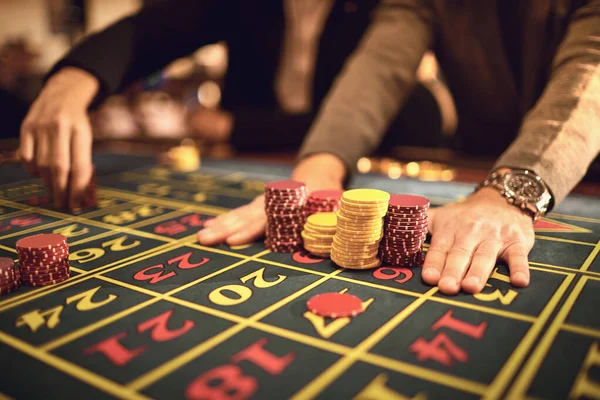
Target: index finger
<point x="81" y="166"/>
<point x="60" y="143"/>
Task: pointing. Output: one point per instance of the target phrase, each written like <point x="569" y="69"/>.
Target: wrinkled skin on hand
<point x="469" y="237"/>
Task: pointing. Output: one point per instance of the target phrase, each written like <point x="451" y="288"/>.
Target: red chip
<point x="335" y="305"/>
<point x="42" y="241"/>
<point x="408" y="201"/>
<point x="285" y="185"/>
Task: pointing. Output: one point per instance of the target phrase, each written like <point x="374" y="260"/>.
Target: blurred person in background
<point x="283" y="58"/>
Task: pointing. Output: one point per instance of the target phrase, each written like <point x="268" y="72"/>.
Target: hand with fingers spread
<point x="470" y="236"/>
<point x="247" y="223"/>
<point x="56" y="138"/>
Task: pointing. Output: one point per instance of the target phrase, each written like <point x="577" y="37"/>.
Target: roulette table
<point x="149" y="313"/>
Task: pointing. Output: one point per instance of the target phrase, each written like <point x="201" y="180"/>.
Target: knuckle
<point x="486" y="253"/>
<point x="460" y="250"/>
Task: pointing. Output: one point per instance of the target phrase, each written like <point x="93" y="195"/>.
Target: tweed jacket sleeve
<point x="374" y="83"/>
<point x="560" y="136"/>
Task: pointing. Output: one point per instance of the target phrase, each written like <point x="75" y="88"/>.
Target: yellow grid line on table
<point x="166" y="202"/>
<point x="91" y="378"/>
<point x="316" y="386"/>
<point x="177" y="362"/>
<point x="527" y="375"/>
<point x="420" y="372"/>
<point x="557" y="239"/>
<point x="159" y="218"/>
<point x="574" y="218"/>
<point x="423" y="373"/>
<point x="511" y="366"/>
<point x="559" y="268"/>
<point x="13" y="214"/>
<point x="217" y="251"/>
<point x="581" y="330"/>
<point x="64" y="219"/>
<point x="214" y="189"/>
<point x="80" y="332"/>
<point x="26" y="297"/>
<point x="591" y="257"/>
<point x="443" y="300"/>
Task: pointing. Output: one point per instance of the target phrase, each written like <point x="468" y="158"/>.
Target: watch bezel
<point x="508" y="176"/>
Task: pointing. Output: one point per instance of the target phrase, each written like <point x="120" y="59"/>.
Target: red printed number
<point x="180" y="225"/>
<point x="157" y="273"/>
<point x="388" y="273"/>
<point x="120" y="355"/>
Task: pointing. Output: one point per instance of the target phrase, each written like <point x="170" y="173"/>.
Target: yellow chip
<point x="363" y="207"/>
<point x="374" y="264"/>
<point x="324" y="219"/>
<point x="315" y="229"/>
<point x="366" y="196"/>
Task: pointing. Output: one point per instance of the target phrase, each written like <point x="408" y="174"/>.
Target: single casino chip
<point x="7" y="266"/>
<point x="288" y="185"/>
<point x="361" y="196"/>
<point x="335" y="305"/>
<point x="42" y="241"/>
<point x="408" y="201"/>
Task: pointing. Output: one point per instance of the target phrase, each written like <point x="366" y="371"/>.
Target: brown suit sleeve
<point x="560" y="136"/>
<point x="374" y="83"/>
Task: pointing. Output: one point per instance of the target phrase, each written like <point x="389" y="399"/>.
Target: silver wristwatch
<point x="521" y="188"/>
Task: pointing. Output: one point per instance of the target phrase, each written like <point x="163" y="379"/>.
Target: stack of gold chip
<point x="359" y="228"/>
<point x="318" y="233"/>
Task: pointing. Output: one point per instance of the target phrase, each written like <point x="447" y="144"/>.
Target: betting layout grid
<point x="386" y="352"/>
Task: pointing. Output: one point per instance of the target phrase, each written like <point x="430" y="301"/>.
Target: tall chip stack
<point x="323" y="201"/>
<point x="43" y="259"/>
<point x="359" y="228"/>
<point x="318" y="233"/>
<point x="286" y="215"/>
<point x="405" y="230"/>
<point x="10" y="279"/>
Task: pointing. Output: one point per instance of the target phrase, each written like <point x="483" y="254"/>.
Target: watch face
<point x="524" y="185"/>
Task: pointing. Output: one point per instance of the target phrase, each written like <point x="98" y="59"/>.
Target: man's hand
<point x="56" y="138"/>
<point x="247" y="223"/>
<point x="468" y="238"/>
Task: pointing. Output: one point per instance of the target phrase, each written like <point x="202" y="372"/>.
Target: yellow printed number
<point x="37" y="318"/>
<point x="90" y="254"/>
<point x="497" y="295"/>
<point x="219" y="296"/>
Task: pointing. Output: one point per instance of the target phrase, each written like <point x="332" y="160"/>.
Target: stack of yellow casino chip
<point x="318" y="233"/>
<point x="359" y="228"/>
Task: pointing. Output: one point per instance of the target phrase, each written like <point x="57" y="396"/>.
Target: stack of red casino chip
<point x="284" y="205"/>
<point x="43" y="259"/>
<point x="405" y="230"/>
<point x="323" y="201"/>
<point x="10" y="280"/>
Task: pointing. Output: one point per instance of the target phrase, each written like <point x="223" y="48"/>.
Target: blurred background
<point x="183" y="101"/>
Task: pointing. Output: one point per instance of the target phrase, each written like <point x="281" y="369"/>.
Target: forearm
<point x="559" y="138"/>
<point x="374" y="84"/>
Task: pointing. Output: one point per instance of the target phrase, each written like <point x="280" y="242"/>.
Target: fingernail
<point x="520" y="277"/>
<point x="431" y="274"/>
<point x="448" y="281"/>
<point x="472" y="282"/>
<point x="204" y="232"/>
